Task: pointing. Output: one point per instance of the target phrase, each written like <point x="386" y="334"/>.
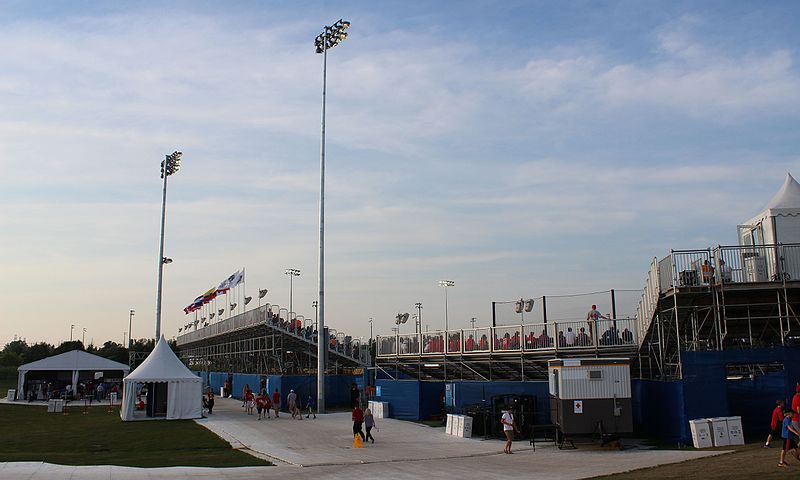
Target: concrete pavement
<point x="306" y="449"/>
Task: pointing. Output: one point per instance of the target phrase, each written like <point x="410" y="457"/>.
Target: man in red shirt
<point x="358" y="420"/>
<point x="775" y="423"/>
<point x="276" y="402"/>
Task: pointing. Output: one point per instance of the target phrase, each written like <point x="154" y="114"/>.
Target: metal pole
<point x="71" y="328"/>
<point x="494" y="315"/>
<point x="130" y="322"/>
<point x="613" y="305"/>
<point x="291" y="277"/>
<point x="445" y="310"/>
<point x="161" y="253"/>
<point x="544" y="309"/>
<point x="322" y="343"/>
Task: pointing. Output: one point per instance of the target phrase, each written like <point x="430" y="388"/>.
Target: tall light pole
<point x="71" y="328"/>
<point x="130" y="322"/>
<point x="170" y="165"/>
<point x="83" y="339"/>
<point x="446" y="284"/>
<point x="292" y="272"/>
<point x="473" y="323"/>
<point x="329" y="38"/>
<point x="418" y="305"/>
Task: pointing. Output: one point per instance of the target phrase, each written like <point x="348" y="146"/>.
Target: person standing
<point x="354" y="394"/>
<point x="249" y="402"/>
<point x="210" y="400"/>
<point x="509" y="427"/>
<point x="775" y="423"/>
<point x="358" y="421"/>
<point x="276" y="402"/>
<point x="369" y="422"/>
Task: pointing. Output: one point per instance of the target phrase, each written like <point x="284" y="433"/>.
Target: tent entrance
<point x="156" y="399"/>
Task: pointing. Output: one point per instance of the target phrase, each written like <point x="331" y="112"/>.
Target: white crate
<point x="55" y="405"/>
<point x="466" y="432"/>
<point x="735" y="432"/>
<point x="701" y="433"/>
<point x="719" y="431"/>
<point x="448" y="429"/>
<point x="11" y="394"/>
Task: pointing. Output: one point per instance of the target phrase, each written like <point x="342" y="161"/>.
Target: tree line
<point x="18" y="352"/>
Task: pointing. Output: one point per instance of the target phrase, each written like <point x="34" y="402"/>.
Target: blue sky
<point x="517" y="148"/>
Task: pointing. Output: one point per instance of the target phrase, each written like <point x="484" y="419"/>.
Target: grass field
<point x="748" y="461"/>
<point x="101" y="438"/>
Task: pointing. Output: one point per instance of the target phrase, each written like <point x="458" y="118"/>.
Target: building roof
<point x="74" y="360"/>
<point x="162" y="365"/>
<point x="788" y="196"/>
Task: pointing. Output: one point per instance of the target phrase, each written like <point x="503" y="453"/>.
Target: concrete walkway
<point x="403" y="450"/>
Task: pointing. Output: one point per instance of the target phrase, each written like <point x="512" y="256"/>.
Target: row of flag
<point x="212" y="292"/>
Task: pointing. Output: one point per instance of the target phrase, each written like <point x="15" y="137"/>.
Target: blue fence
<point x="337" y="387"/>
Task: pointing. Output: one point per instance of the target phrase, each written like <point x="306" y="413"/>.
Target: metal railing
<point x="648" y="304"/>
<point x="552" y="336"/>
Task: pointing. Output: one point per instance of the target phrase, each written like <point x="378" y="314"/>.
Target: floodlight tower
<point x="329" y="38"/>
<point x="170" y="165"/>
<point x="446" y="284"/>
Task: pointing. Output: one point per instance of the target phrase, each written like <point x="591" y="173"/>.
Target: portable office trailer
<point x="591" y="395"/>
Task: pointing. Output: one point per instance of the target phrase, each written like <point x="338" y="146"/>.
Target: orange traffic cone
<point x="357" y="443"/>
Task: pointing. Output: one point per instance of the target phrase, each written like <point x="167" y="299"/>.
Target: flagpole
<point x="244" y="288"/>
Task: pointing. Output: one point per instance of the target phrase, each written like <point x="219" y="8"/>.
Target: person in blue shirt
<point x="789" y="435"/>
<point x="310" y="406"/>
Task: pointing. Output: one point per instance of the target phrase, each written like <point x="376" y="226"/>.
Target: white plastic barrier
<point x="701" y="433"/>
<point x="379" y="409"/>
<point x="55" y="405"/>
<point x="719" y="431"/>
<point x="11" y="394"/>
<point x="459" y="425"/>
<point x="735" y="432"/>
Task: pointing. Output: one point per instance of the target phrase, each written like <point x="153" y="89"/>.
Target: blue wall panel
<point x="658" y="410"/>
<point x="403" y="397"/>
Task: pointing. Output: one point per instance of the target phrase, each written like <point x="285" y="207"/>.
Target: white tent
<point x="779" y="221"/>
<point x="170" y="385"/>
<point x="74" y="361"/>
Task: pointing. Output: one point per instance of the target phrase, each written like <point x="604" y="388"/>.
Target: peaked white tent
<point x="74" y="361"/>
<point x="779" y="221"/>
<point x="174" y="392"/>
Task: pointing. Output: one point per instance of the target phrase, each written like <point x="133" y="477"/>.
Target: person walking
<point x="789" y="435"/>
<point x="369" y="422"/>
<point x="775" y="423"/>
<point x="249" y="402"/>
<point x="796" y="408"/>
<point x="358" y="421"/>
<point x="261" y="404"/>
<point x="509" y="427"/>
<point x="291" y="401"/>
<point x="276" y="402"/>
<point x="310" y="405"/>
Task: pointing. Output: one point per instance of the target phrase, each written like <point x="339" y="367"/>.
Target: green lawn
<point x="101" y="438"/>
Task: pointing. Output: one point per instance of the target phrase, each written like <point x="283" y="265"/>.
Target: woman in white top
<point x="509" y="426"/>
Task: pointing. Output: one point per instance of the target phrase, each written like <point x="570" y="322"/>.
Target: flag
<point x="261" y="293"/>
<point x="210" y="294"/>
<point x="239" y="278"/>
<point x="197" y="303"/>
<point x="221" y="310"/>
<point x="247" y="300"/>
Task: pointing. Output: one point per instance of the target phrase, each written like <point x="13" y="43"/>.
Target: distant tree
<point x="39" y="351"/>
<point x="20" y="347"/>
<point x="69" y="346"/>
<point x="10" y="359"/>
<point x="114" y="351"/>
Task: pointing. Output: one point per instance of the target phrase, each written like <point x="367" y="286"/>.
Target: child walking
<point x="789" y="435"/>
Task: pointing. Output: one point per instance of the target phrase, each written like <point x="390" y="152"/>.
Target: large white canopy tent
<point x="74" y="361"/>
<point x="170" y="385"/>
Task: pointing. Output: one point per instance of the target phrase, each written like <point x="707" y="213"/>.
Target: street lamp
<point x="473" y="323"/>
<point x="418" y="306"/>
<point x="170" y="165"/>
<point x="292" y="272"/>
<point x="71" y="328"/>
<point x="315" y="304"/>
<point x="83" y="339"/>
<point x="329" y="38"/>
<point x="130" y="322"/>
<point x="446" y="284"/>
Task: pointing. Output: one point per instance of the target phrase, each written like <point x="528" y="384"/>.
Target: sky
<point x="517" y="148"/>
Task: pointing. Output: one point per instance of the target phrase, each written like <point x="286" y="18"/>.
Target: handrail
<point x="555" y="336"/>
